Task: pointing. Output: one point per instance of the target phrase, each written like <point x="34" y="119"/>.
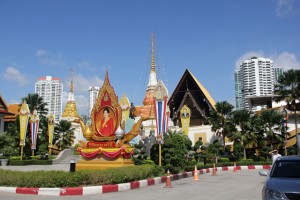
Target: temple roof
<point x="4" y="108"/>
<point x="189" y="91"/>
<point x="12" y="108"/>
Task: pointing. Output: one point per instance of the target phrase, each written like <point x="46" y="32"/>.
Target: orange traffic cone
<point x="234" y="168"/>
<point x="168" y="181"/>
<point x="214" y="170"/>
<point x="196" y="178"/>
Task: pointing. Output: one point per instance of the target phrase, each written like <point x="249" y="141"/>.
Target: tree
<point x="174" y="151"/>
<point x="220" y="119"/>
<point x="64" y="134"/>
<point x="288" y="89"/>
<point x="35" y="102"/>
<point x="42" y="136"/>
<point x="271" y="123"/>
<point x="8" y="145"/>
<point x="244" y="128"/>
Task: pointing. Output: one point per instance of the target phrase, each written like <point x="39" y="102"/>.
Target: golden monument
<point x="102" y="149"/>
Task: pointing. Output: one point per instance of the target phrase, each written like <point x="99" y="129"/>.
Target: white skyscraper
<point x="51" y="90"/>
<point x="254" y="79"/>
<point x="93" y="96"/>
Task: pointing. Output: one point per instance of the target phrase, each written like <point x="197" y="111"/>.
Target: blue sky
<point x="210" y="38"/>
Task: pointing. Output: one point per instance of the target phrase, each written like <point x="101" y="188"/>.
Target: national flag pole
<point x="24" y="117"/>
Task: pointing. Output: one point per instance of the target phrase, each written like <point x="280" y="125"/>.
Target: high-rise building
<point x="277" y="72"/>
<point x="255" y="79"/>
<point x="51" y="90"/>
<point x="93" y="96"/>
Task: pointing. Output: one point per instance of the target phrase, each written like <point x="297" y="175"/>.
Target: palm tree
<point x="64" y="134"/>
<point x="42" y="137"/>
<point x="220" y="119"/>
<point x="243" y="120"/>
<point x="35" y="102"/>
<point x="288" y="89"/>
<point x="271" y="123"/>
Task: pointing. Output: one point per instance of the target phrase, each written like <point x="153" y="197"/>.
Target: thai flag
<point x="34" y="127"/>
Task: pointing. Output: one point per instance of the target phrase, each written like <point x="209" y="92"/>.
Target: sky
<point x="208" y="37"/>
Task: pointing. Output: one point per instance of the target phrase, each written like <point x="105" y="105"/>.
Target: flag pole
<point x="159" y="154"/>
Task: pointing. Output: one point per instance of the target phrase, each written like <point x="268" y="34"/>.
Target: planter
<point x="4" y="162"/>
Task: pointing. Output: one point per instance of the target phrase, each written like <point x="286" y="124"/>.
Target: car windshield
<point x="286" y="169"/>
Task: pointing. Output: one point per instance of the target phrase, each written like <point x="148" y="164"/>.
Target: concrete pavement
<point x="227" y="185"/>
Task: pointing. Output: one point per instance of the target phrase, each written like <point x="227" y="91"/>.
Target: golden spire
<point x="152" y="54"/>
<point x="71" y="84"/>
<point x="70" y="109"/>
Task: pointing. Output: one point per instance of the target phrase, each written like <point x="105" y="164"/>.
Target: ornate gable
<point x="192" y="93"/>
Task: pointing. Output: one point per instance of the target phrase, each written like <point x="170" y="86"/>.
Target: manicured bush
<point x="80" y="178"/>
<point x="223" y="160"/>
<point x="30" y="162"/>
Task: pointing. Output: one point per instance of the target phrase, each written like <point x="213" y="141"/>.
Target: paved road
<point x="227" y="185"/>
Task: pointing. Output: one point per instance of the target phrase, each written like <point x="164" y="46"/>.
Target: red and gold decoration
<point x="24" y="117"/>
<point x="185" y="115"/>
<point x="100" y="151"/>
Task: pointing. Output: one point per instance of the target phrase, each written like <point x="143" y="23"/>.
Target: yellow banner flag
<point x="185" y="115"/>
<point x="50" y="129"/>
<point x="24" y="117"/>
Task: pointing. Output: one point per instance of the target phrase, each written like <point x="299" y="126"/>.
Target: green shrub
<point x="80" y="178"/>
<point x="223" y="160"/>
<point x="29" y="162"/>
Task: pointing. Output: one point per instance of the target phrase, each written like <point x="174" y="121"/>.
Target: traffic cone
<point x="196" y="178"/>
<point x="234" y="168"/>
<point x="168" y="181"/>
<point x="214" y="170"/>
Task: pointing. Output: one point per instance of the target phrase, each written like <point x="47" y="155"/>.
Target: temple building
<point x="192" y="95"/>
<point x="4" y="112"/>
<point x="70" y="113"/>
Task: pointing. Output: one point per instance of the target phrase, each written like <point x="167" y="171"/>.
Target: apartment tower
<point x="51" y="90"/>
<point x="93" y="91"/>
<point x="255" y="79"/>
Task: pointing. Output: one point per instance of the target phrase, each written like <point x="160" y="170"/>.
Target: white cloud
<point x="284" y="7"/>
<point x="41" y="52"/>
<point x="49" y="58"/>
<point x="82" y="104"/>
<point x="247" y="56"/>
<point x="285" y="60"/>
<point x="13" y="74"/>
<point x="82" y="84"/>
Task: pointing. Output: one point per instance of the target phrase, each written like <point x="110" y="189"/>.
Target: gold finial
<point x="71" y="84"/>
<point x="152" y="54"/>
